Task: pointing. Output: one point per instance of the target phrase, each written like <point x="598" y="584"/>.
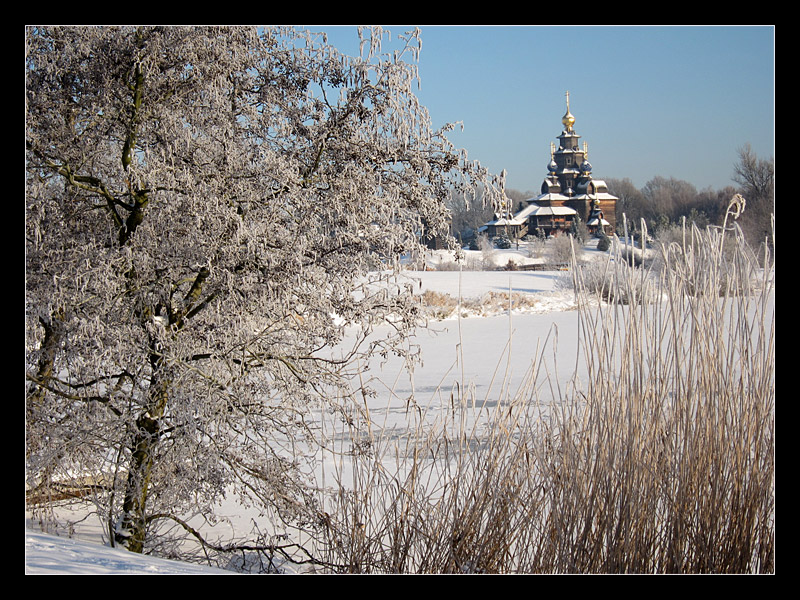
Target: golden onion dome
<point x="568" y="120"/>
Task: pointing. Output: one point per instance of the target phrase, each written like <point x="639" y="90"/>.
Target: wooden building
<point x="569" y="192"/>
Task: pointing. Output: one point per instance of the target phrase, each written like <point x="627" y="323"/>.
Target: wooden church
<point x="568" y="193"/>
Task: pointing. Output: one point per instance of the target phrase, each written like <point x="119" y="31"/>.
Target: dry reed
<point x="658" y="457"/>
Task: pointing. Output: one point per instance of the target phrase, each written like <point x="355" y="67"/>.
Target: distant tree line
<point x="662" y="202"/>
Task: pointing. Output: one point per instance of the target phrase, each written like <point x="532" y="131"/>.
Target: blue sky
<point x="674" y="101"/>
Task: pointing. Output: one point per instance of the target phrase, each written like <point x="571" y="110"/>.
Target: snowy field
<point x="487" y="352"/>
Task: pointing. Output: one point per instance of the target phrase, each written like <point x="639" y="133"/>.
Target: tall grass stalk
<point x="657" y="457"/>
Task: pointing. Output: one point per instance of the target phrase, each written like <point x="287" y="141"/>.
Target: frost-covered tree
<point x="756" y="176"/>
<point x="206" y="210"/>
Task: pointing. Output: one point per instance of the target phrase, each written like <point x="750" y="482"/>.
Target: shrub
<point x="562" y="248"/>
<point x="502" y="242"/>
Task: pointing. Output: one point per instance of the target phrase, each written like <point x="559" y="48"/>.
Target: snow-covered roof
<point x="550" y="196"/>
<point x="553" y="210"/>
<point x="515" y="220"/>
<point x="601" y="191"/>
<point x="527" y="211"/>
<point x="598" y="196"/>
<point x="506" y="221"/>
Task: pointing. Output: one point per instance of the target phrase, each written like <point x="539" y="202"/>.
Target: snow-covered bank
<point x="51" y="555"/>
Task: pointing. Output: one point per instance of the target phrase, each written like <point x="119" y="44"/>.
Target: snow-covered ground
<point x="51" y="555"/>
<point x="489" y="353"/>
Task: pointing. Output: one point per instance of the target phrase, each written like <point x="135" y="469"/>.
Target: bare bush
<point x="562" y="248"/>
<point x="536" y="246"/>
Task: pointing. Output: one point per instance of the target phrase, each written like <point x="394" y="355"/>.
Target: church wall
<point x="609" y="208"/>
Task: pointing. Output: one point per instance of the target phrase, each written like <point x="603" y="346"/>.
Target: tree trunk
<point x="54" y="334"/>
<point x="132" y="525"/>
<point x="131" y="530"/>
